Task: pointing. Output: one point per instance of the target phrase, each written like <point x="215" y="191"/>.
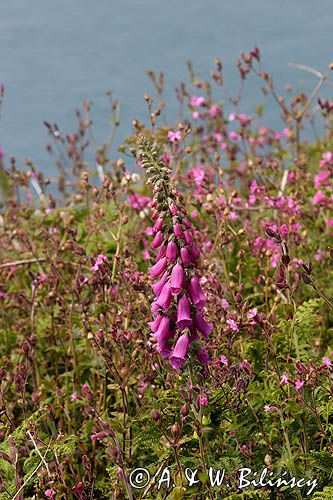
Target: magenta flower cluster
<point x="179" y="299"/>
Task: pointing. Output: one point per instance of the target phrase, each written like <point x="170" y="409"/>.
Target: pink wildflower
<point x="224" y="360"/>
<point x="233" y="325"/>
<point x="214" y="111"/>
<point x="253" y="313"/>
<point x="327" y="362"/>
<point x="318" y="197"/>
<point x="244" y="450"/>
<point x="197" y="101"/>
<point x="271" y="409"/>
<point x="322" y="179"/>
<point x="299" y="384"/>
<point x="202" y="400"/>
<point x="74" y="396"/>
<point x="174" y="136"/>
<point x="101" y="259"/>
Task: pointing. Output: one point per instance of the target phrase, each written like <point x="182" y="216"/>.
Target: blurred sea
<point x="55" y="54"/>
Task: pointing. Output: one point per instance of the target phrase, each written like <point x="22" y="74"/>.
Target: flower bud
<point x="155" y="415"/>
<point x="184" y="410"/>
<point x="175" y="429"/>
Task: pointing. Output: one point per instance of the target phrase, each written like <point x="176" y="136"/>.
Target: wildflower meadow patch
<point x="166" y="309"/>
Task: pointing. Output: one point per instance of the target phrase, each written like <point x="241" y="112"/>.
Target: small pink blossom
<point x="319" y="255"/>
<point x="195" y="115"/>
<point x="101" y="259"/>
<point x="233" y="325"/>
<point x="197" y="101"/>
<point x="174" y="136"/>
<point x="244" y="450"/>
<point x="318" y="197"/>
<point x="322" y="179"/>
<point x="253" y="313"/>
<point x="327" y="362"/>
<point x="327" y="159"/>
<point x="98" y="436"/>
<point x="145" y="254"/>
<point x="214" y="111"/>
<point x="139" y="202"/>
<point x="299" y="384"/>
<point x="284" y="229"/>
<point x="224" y="360"/>
<point x="74" y="396"/>
<point x="225" y="304"/>
<point x="202" y="400"/>
<point x="42" y="279"/>
<point x="284" y="379"/>
<point x="275" y="259"/>
<point x="233" y="136"/>
<point x="271" y="409"/>
<point x="244" y="119"/>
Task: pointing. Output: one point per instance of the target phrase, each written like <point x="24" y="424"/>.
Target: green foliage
<point x="250" y="495"/>
<point x="325" y="494"/>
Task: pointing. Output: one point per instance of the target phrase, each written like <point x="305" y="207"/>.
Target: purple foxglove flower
<point x="158" y="268"/>
<point x="194" y="251"/>
<point x="183" y="313"/>
<point x="171" y="251"/>
<point x="163" y="330"/>
<point x="196" y="294"/>
<point x="180" y="351"/>
<point x="154" y="307"/>
<point x="158" y="225"/>
<point x="188" y="237"/>
<point x="161" y="252"/>
<point x="155" y="324"/>
<point x="177" y="279"/>
<point x="165" y="296"/>
<point x="186" y="258"/>
<point x="158" y="240"/>
<point x="202" y="325"/>
<point x="163" y="345"/>
<point x="177" y="229"/>
<point x="164" y="348"/>
<point x="157" y="287"/>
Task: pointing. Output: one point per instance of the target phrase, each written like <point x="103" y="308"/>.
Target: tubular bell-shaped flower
<point x="178" y="321"/>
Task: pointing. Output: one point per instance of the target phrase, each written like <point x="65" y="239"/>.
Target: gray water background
<point x="56" y="54"/>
